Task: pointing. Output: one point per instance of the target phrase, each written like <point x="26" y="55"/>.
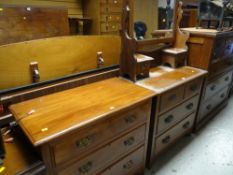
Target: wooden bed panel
<point x="56" y="57"/>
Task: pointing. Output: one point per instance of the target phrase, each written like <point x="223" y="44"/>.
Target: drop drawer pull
<point x="166" y="140"/>
<point x="84" y="142"/>
<point x="172" y="97"/>
<point x="209" y="107"/>
<point x="128" y="165"/>
<point x="129" y="141"/>
<point x="222" y="95"/>
<point x="130" y="119"/>
<point x="227" y="79"/>
<point x="194" y="87"/>
<point x="85" y="168"/>
<point x="189" y="106"/>
<point x="169" y="119"/>
<point x="186" y="125"/>
<point x="213" y="87"/>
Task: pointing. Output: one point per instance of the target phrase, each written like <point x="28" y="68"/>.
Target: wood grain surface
<point x="56" y="57"/>
<point x="48" y="117"/>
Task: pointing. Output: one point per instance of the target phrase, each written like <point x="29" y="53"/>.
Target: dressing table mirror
<point x="142" y="41"/>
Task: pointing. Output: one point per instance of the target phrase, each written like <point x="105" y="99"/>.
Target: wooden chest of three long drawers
<point x="79" y="131"/>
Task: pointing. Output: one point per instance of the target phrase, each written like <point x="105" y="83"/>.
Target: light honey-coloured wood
<point x="49" y="117"/>
<point x="56" y="57"/>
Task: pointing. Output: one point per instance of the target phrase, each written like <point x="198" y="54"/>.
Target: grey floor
<point x="208" y="152"/>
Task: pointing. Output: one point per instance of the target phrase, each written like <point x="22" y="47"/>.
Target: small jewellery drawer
<point x="217" y="85"/>
<point x="171" y="98"/>
<point x="170" y="136"/>
<point x="193" y="87"/>
<point x="128" y="165"/>
<point x="111" y="18"/>
<point x="102" y="157"/>
<point x="110" y="27"/>
<point x="82" y="142"/>
<point x="210" y="104"/>
<point x="110" y="8"/>
<point x="170" y="118"/>
<point x="116" y="2"/>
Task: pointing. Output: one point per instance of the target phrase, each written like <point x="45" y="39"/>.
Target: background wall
<point x="74" y="6"/>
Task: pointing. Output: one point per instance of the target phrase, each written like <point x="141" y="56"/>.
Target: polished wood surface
<point x="48" y="117"/>
<point x="56" y="57"/>
<point x="163" y="78"/>
<point x="23" y="23"/>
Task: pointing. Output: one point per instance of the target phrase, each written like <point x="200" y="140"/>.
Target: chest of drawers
<point x="79" y="131"/>
<point x="175" y="108"/>
<point x="212" y="51"/>
<point x="105" y="15"/>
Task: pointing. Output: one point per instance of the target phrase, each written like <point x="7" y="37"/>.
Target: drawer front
<point x="210" y="104"/>
<point x="111" y="18"/>
<point x="193" y="88"/>
<point x="110" y="8"/>
<point x="170" y="118"/>
<point x="217" y="85"/>
<point x="171" y="98"/>
<point x="170" y="136"/>
<point x="128" y="165"/>
<point x="110" y="27"/>
<point x="82" y="142"/>
<point x="98" y="159"/>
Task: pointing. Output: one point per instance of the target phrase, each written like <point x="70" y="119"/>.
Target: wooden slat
<point x="56" y="57"/>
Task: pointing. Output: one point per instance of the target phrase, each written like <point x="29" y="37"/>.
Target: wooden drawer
<point x="111" y="18"/>
<point x="170" y="136"/>
<point x="193" y="88"/>
<point x="84" y="141"/>
<point x="177" y="114"/>
<point x="209" y="105"/>
<point x="217" y="85"/>
<point x="110" y="8"/>
<point x="171" y="98"/>
<point x="110" y="27"/>
<point x="128" y="165"/>
<point x="101" y="158"/>
<point x="112" y="2"/>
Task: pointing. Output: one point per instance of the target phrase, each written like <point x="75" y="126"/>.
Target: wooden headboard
<point x="56" y="57"/>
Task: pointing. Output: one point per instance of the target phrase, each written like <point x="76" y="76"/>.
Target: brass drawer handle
<point x="209" y="107"/>
<point x="190" y="106"/>
<point x="222" y="95"/>
<point x="194" y="87"/>
<point x="85" y="168"/>
<point x="213" y="87"/>
<point x="131" y="119"/>
<point x="186" y="125"/>
<point x="169" y="119"/>
<point x="84" y="142"/>
<point x="129" y="141"/>
<point x="172" y="97"/>
<point x="166" y="140"/>
<point x="227" y="78"/>
<point x="128" y="165"/>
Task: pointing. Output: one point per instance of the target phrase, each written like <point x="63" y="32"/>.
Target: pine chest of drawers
<point x="100" y="128"/>
<point x="175" y="107"/>
<point x="105" y="15"/>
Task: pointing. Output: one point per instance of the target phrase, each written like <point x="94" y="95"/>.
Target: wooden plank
<point x="75" y="108"/>
<point x="56" y="57"/>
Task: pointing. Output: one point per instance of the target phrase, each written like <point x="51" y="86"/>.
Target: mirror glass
<point x="153" y="18"/>
<point x="81" y="36"/>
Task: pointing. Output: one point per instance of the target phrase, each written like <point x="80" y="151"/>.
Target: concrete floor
<point x="208" y="152"/>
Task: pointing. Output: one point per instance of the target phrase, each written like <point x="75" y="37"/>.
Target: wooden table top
<point x="51" y="116"/>
<point x="163" y="78"/>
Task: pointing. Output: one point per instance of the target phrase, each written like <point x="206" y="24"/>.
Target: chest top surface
<point x="163" y="78"/>
<point x="48" y="117"/>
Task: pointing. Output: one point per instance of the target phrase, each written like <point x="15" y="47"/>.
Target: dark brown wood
<point x="214" y="50"/>
<point x="23" y="23"/>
